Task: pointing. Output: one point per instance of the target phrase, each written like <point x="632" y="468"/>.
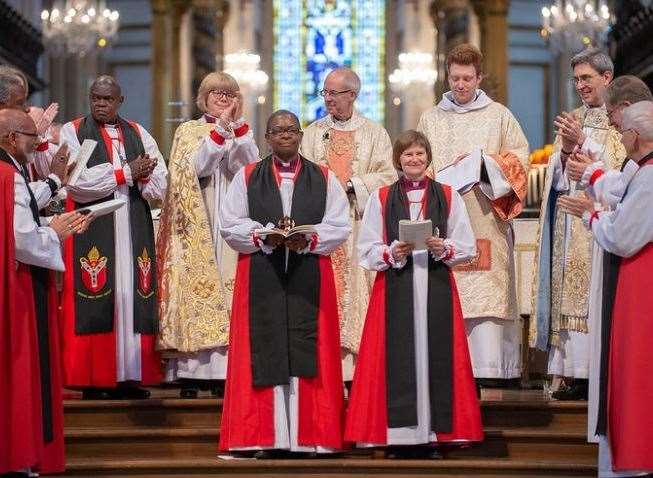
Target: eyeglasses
<point x="585" y="79"/>
<point x="280" y="131"/>
<point x="25" y="133"/>
<point x="333" y="92"/>
<point x="222" y="93"/>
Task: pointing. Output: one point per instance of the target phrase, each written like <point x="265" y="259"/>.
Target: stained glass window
<point x="312" y="37"/>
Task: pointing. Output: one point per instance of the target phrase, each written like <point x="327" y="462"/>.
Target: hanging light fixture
<point x="244" y="67"/>
<point x="415" y="69"/>
<point x="77" y="27"/>
<point x="572" y="25"/>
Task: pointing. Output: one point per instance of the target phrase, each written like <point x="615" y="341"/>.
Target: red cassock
<point x="367" y="412"/>
<point x="248" y="412"/>
<point x="630" y="385"/>
<point x="21" y="415"/>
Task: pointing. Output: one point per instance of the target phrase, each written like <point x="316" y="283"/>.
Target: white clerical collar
<point x="480" y="101"/>
<point x="351" y="124"/>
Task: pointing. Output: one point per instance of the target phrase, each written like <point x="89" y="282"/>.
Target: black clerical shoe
<point x="578" y="390"/>
<point x="188" y="393"/>
<point x="15" y="474"/>
<point x="131" y="393"/>
<point x="96" y="394"/>
<point x="272" y="454"/>
<point x="433" y="454"/>
<point x="399" y="453"/>
<point x="217" y="389"/>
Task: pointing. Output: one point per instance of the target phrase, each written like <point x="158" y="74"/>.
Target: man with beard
<point x="109" y="297"/>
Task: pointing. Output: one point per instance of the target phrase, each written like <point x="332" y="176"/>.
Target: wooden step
<point x="201" y="442"/>
<point x="319" y="468"/>
<point x="156" y="412"/>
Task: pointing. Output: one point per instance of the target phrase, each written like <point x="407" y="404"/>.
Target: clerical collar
<point x="353" y="123"/>
<point x="480" y="101"/>
<point x="410" y="185"/>
<point x="286" y="166"/>
<point x="210" y="119"/>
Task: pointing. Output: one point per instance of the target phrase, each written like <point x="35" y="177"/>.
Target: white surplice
<point x="238" y="229"/>
<point x="607" y="190"/>
<point x="36" y="244"/>
<point x="100" y="182"/>
<point x="222" y="161"/>
<point x="372" y="251"/>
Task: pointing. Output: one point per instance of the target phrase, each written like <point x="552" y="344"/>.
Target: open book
<point x="270" y="231"/>
<point x="416" y="232"/>
<point x="463" y="175"/>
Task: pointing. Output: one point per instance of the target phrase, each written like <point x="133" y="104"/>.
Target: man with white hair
<point x="359" y="152"/>
<point x="625" y="422"/>
<point x="562" y="273"/>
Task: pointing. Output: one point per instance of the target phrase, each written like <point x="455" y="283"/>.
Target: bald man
<point x="109" y="295"/>
<point x="359" y="152"/>
<point x="31" y="410"/>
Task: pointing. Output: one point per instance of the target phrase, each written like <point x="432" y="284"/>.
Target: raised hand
<point x="142" y="167"/>
<point x="576" y="205"/>
<point x="577" y="164"/>
<point x="69" y="223"/>
<point x="238" y="111"/>
<point x="569" y="130"/>
<point x="59" y="163"/>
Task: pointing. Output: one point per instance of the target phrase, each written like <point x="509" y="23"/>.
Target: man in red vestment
<point x="284" y="382"/>
<point x="31" y="410"/>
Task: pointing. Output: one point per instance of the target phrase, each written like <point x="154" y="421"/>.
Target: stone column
<point x="162" y="79"/>
<point x="451" y="20"/>
<point x="493" y="20"/>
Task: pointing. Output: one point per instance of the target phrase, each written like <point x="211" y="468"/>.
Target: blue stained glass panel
<point x="312" y="37"/>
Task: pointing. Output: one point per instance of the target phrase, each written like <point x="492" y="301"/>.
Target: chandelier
<point x="78" y="26"/>
<point x="415" y="69"/>
<point x="572" y="25"/>
<point x="244" y="67"/>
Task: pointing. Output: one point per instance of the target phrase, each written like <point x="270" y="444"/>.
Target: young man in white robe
<point x="284" y="381"/>
<point x="465" y="121"/>
<point x="205" y="156"/>
<point x="109" y="296"/>
<point x="625" y="424"/>
<point x="413" y="384"/>
<point x="359" y="153"/>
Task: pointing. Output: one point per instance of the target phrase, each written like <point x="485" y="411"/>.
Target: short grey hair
<point x="8" y="84"/>
<point x="597" y="59"/>
<point x="352" y="80"/>
<point x="639" y="117"/>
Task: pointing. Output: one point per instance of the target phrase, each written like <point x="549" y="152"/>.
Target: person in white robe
<point x="624" y="386"/>
<point x="136" y="361"/>
<point x="194" y="328"/>
<point x="359" y="152"/>
<point x="466" y="124"/>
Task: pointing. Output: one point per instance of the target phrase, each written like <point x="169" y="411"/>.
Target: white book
<point x="102" y="208"/>
<point x="463" y="175"/>
<point x="416" y="232"/>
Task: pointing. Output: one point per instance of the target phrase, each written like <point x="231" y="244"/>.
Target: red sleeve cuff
<point x="120" y="176"/>
<point x="256" y="240"/>
<point x="242" y="131"/>
<point x="313" y="244"/>
<point x="42" y="147"/>
<point x="595" y="176"/>
<point x="450" y="253"/>
<point x="215" y="136"/>
<point x="595" y="215"/>
<point x="386" y="257"/>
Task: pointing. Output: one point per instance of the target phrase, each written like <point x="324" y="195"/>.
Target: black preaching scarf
<point x="95" y="250"/>
<point x="40" y="284"/>
<point x="283" y="306"/>
<point x="401" y="379"/>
